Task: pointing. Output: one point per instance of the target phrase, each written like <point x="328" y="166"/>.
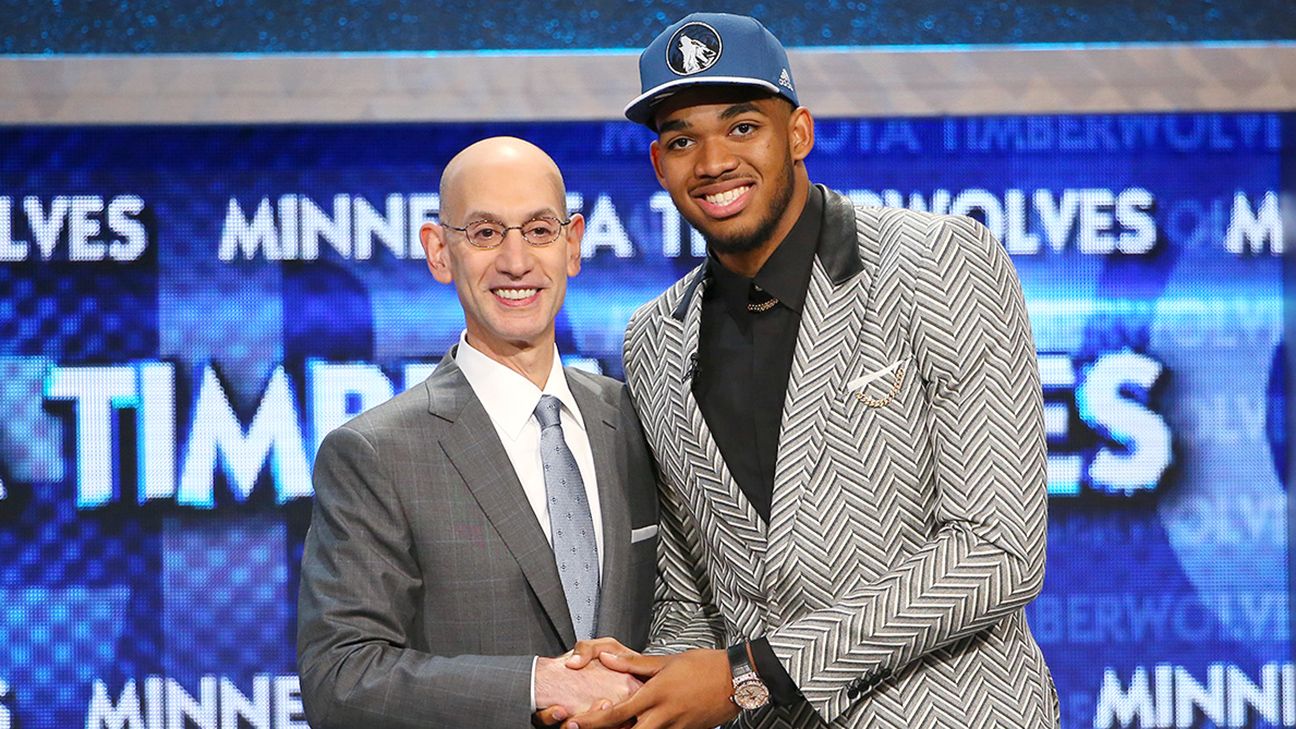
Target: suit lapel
<point x="474" y="447"/>
<point x="610" y="468"/>
<point x="831" y="322"/>
<point x="733" y="520"/>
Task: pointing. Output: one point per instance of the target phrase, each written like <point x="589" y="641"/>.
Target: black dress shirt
<point x="744" y="358"/>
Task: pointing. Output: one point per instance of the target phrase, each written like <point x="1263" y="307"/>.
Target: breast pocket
<point x="879" y="388"/>
<point x="640" y="586"/>
<point x="643" y="533"/>
<point x="643" y="551"/>
<point x="876" y="419"/>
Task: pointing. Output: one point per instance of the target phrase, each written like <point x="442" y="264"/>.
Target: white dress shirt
<point x="510" y="401"/>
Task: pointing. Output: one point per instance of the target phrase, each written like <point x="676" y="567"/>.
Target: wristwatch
<point x="750" y="691"/>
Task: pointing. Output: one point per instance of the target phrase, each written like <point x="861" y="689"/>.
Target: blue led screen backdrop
<point x="185" y="312"/>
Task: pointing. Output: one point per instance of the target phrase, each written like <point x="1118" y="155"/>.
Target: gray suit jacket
<point x="909" y="513"/>
<point x="427" y="585"/>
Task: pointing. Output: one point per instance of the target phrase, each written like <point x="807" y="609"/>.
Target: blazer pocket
<point x="639" y="534"/>
<point x="877" y="389"/>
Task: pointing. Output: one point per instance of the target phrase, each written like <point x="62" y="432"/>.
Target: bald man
<point x="473" y="528"/>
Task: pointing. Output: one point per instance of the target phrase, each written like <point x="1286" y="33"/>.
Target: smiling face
<point x="732" y="160"/>
<point x="512" y="293"/>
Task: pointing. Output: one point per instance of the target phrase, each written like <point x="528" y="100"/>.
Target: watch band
<point x="750" y="692"/>
<point x="740" y="660"/>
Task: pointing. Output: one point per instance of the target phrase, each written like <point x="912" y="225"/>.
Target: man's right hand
<point x="589" y="650"/>
<point x="575" y="691"/>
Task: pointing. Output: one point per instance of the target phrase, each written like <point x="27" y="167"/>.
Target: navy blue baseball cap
<point x="710" y="49"/>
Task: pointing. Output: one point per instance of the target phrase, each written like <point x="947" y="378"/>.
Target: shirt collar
<point x="509" y="398"/>
<point x="786" y="274"/>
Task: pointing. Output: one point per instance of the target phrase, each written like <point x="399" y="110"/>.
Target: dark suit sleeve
<point x="360" y="586"/>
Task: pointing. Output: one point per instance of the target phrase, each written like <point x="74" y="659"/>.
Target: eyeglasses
<point x="487" y="234"/>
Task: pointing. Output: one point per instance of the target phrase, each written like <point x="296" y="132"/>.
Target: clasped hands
<point x="689" y="690"/>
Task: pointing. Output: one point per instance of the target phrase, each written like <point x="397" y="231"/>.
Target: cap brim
<point x="640" y="110"/>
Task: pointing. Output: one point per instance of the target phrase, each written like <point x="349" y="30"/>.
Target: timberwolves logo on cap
<point x="693" y="49"/>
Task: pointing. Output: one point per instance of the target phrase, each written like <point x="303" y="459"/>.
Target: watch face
<point x="751" y="694"/>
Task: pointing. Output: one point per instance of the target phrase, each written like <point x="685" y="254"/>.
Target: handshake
<point x="601" y="684"/>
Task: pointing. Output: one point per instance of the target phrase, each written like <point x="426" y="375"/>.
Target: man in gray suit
<point x="478" y="524"/>
<point x="845" y="408"/>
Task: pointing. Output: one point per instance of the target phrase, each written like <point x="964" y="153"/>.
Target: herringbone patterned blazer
<point x="909" y="515"/>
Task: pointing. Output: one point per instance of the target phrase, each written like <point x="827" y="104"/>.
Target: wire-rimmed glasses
<point x="487" y="234"/>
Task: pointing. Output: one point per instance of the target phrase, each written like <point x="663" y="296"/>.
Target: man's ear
<point x="801" y="133"/>
<point x="433" y="238"/>
<point x="654" y="153"/>
<point x="575" y="232"/>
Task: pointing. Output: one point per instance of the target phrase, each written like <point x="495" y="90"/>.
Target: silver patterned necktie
<point x="571" y="525"/>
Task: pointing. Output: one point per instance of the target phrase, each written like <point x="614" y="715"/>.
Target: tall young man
<point x="845" y="409"/>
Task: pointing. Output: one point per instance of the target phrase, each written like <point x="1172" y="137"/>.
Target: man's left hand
<point x="690" y="690"/>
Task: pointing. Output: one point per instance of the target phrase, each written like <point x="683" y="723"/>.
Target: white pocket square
<point x="860" y="382"/>
<point x="642" y="533"/>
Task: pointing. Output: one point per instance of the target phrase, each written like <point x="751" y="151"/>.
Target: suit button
<point x="854" y="689"/>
